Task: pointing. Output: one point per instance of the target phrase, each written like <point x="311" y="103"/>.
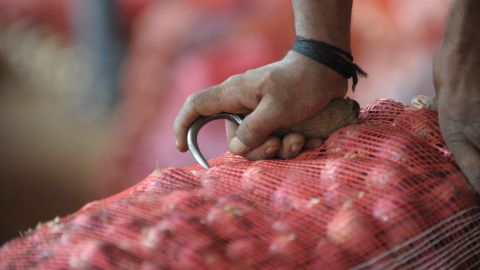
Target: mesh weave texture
<point x="381" y="194"/>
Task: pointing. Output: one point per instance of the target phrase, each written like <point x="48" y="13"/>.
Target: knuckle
<point x="191" y="100"/>
<point x="266" y="78"/>
<point x="232" y="80"/>
<point x="196" y="100"/>
<point x="231" y="84"/>
<point x="249" y="72"/>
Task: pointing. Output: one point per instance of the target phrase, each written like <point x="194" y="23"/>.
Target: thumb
<point x="257" y="126"/>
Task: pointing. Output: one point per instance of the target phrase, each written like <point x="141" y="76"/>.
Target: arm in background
<point x="457" y="83"/>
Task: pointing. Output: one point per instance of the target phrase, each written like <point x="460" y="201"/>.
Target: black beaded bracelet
<point x="331" y="56"/>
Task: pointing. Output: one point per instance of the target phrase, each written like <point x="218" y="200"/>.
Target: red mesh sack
<point x="381" y="194"/>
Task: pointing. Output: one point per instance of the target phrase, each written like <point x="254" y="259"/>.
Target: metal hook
<point x="195" y="128"/>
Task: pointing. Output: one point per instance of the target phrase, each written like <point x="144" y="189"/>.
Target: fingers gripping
<point x="208" y="102"/>
<point x="257" y="126"/>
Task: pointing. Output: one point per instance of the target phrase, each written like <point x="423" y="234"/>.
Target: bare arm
<point x="328" y="21"/>
<point x="457" y="82"/>
<point x="463" y="22"/>
<point x="279" y="94"/>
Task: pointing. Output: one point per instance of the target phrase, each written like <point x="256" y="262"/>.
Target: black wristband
<point x="331" y="56"/>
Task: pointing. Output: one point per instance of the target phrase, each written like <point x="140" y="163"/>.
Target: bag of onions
<point x="384" y="193"/>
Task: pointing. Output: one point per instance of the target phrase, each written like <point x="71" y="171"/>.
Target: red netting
<point x="382" y="194"/>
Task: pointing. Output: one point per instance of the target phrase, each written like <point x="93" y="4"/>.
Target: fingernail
<point x="295" y="148"/>
<point x="237" y="147"/>
<point x="179" y="146"/>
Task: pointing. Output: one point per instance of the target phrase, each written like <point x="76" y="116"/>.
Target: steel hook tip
<point x="195" y="128"/>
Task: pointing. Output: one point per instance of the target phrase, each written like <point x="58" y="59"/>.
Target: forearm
<point x="324" y="20"/>
<point x="463" y="25"/>
<point x="457" y="86"/>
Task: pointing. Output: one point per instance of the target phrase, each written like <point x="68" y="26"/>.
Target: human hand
<point x="274" y="96"/>
<point x="458" y="103"/>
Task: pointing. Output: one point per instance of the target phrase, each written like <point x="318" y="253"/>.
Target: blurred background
<point x="89" y="88"/>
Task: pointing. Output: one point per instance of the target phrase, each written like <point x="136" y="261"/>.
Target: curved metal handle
<point x="195" y="128"/>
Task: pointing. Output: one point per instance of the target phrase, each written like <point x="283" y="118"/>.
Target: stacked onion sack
<point x="384" y="193"/>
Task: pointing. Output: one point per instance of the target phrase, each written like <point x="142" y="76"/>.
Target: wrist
<point x="337" y="39"/>
<point x="305" y="69"/>
<point x="330" y="56"/>
<point x="306" y="63"/>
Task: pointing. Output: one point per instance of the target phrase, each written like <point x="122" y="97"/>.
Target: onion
<point x="354" y="232"/>
<point x="399" y="219"/>
<point x="246" y="252"/>
<point x="328" y="255"/>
